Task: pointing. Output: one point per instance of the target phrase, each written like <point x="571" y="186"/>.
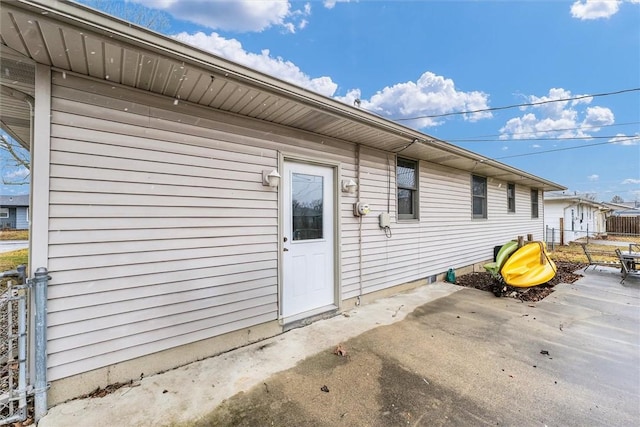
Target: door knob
<point x="285" y="250"/>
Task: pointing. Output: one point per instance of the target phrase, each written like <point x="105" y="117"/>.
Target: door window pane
<point x="306" y="206"/>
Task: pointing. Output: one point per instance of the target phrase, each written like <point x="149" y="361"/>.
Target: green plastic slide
<point x="503" y="254"/>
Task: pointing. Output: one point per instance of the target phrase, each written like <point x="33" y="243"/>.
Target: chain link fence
<point x="13" y="346"/>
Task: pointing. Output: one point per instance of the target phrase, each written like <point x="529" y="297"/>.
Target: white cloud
<point x="631" y="181"/>
<point x="593" y="177"/>
<point x="236" y="15"/>
<point x="594" y="9"/>
<point x="330" y="4"/>
<point x="597" y="117"/>
<point x="286" y="70"/>
<point x="597" y="9"/>
<point x="557" y="117"/>
<point x="430" y="95"/>
<point x="18" y="173"/>
<point x="13" y="172"/>
<point x="15" y="175"/>
<point x="622" y="139"/>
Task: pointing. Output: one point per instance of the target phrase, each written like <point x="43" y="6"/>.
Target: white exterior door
<point x="308" y="247"/>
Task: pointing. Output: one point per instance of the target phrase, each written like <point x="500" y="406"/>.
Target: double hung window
<point x="511" y="197"/>
<point x="479" y="195"/>
<point x="407" y="183"/>
<point x="534" y="203"/>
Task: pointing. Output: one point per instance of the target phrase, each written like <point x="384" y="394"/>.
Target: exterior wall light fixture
<point x="270" y="178"/>
<point x="349" y="186"/>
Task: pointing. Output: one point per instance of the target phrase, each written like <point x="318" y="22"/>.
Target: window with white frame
<point x="407" y="183"/>
<point x="479" y="196"/>
<point x="4" y="212"/>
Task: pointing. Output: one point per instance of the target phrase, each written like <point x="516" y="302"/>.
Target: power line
<point x="528" y="104"/>
<point x="566" y="138"/>
<point x="566" y="148"/>
<point x="543" y="131"/>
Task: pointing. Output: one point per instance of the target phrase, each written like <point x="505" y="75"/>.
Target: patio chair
<point x="627" y="264"/>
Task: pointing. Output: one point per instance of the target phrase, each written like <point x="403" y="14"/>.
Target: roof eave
<point x="139" y="37"/>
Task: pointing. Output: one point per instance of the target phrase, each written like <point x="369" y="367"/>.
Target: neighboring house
<point x="158" y="212"/>
<point x="623" y="209"/>
<point x="569" y="218"/>
<point x="14" y="212"/>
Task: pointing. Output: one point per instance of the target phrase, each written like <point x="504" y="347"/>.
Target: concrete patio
<point x="439" y="355"/>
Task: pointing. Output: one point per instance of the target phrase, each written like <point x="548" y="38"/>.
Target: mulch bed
<point x="484" y="282"/>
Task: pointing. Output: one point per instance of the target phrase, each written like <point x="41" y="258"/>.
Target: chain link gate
<point x="16" y="383"/>
<point x="13" y="346"/>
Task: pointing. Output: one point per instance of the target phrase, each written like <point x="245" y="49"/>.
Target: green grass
<point x="10" y="260"/>
<point x="573" y="252"/>
<point x="14" y="235"/>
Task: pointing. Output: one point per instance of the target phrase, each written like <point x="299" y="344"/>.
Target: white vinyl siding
<point x="162" y="234"/>
<point x="571" y="212"/>
<point x="445" y="236"/>
<point x="553" y="212"/>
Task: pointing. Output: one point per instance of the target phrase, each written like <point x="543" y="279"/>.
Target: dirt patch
<point x="630" y="238"/>
<point x="484" y="282"/>
<point x="102" y="392"/>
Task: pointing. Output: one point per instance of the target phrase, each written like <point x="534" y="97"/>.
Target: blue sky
<point x="406" y="60"/>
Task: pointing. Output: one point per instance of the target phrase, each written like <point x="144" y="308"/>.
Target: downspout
<point x="39" y="286"/>
<point x="39" y="232"/>
<point x="40" y="283"/>
<point x="358" y="176"/>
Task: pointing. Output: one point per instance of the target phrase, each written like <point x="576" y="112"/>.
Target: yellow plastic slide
<point x="529" y="266"/>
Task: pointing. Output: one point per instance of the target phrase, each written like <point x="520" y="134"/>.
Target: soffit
<point x="16" y="95"/>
